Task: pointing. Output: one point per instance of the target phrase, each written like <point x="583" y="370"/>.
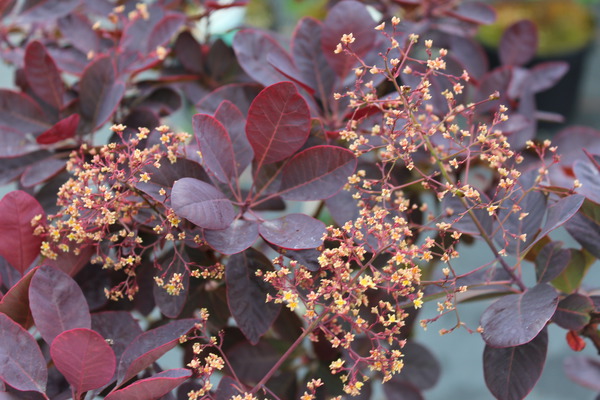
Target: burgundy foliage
<point x="101" y="247"/>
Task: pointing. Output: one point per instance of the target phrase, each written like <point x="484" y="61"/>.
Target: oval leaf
<point x="42" y="171"/>
<point x="247" y="294"/>
<point x="294" y="231"/>
<point x="421" y="368"/>
<point x="215" y="146"/>
<point x="518" y="44"/>
<point x="510" y="373"/>
<point x="117" y="326"/>
<point x="21" y="112"/>
<point x="43" y="76"/>
<point x="235" y="123"/>
<point x="559" y="213"/>
<point x="516" y="319"/>
<point x="317" y="173"/>
<point x="84" y="358"/>
<point x="100" y="92"/>
<point x="202" y="204"/>
<point x="18" y="245"/>
<point x="63" y="129"/>
<point x="573" y="312"/>
<point x="236" y="238"/>
<point x="583" y="370"/>
<point x="278" y="123"/>
<point x="150" y="346"/>
<point x="15" y="302"/>
<point x="153" y="387"/>
<point x="57" y="303"/>
<point x="551" y="262"/>
<point x="22" y="364"/>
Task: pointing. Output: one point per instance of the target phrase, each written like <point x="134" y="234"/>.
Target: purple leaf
<point x="286" y="67"/>
<point x="476" y="12"/>
<point x="202" y="204"/>
<point x="559" y="213"/>
<point x="22" y="364"/>
<point x="100" y="92"/>
<point x="15" y="302"/>
<point x="164" y="31"/>
<point x="64" y="129"/>
<point x="150" y="346"/>
<point x="343" y="18"/>
<point x="42" y="171"/>
<point x="510" y="373"/>
<point x="78" y="29"/>
<point x="573" y="312"/>
<point x="546" y="75"/>
<point x="226" y="389"/>
<point x="57" y="303"/>
<point x="421" y="368"/>
<point x="589" y="176"/>
<point x="215" y="146"/>
<point x="584" y="371"/>
<point x="117" y="326"/>
<point x="43" y="76"/>
<point x="154" y="387"/>
<point x="278" y="123"/>
<point x="247" y="293"/>
<point x="172" y="305"/>
<point x="240" y="94"/>
<point x="240" y="235"/>
<point x="293" y="231"/>
<point x="36" y="10"/>
<point x="309" y="258"/>
<point x="551" y="262"/>
<point x="14" y="143"/>
<point x="584" y="226"/>
<point x="317" y="173"/>
<point x="18" y="245"/>
<point x="251" y="48"/>
<point x="516" y="319"/>
<point x="189" y="52"/>
<point x="518" y="44"/>
<point x="84" y="358"/>
<point x="19" y="111"/>
<point x="235" y="124"/>
<point x="310" y="59"/>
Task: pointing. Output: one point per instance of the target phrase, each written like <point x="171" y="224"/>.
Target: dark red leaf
<point x="247" y="293"/>
<point x="518" y="44"/>
<point x="517" y="319"/>
<point x="589" y="176"/>
<point x="134" y="39"/>
<point x="149" y="346"/>
<point x="79" y="30"/>
<point x="57" y="303"/>
<point x="240" y="235"/>
<point x="215" y="146"/>
<point x="293" y="231"/>
<point x="18" y="245"/>
<point x="117" y="326"/>
<point x="317" y="173"/>
<point x="310" y="59"/>
<point x="575" y="342"/>
<point x="278" y="123"/>
<point x="42" y="171"/>
<point x="19" y="111"/>
<point x="573" y="312"/>
<point x="510" y="373"/>
<point x="164" y="31"/>
<point x="402" y="390"/>
<point x="84" y="358"/>
<point x="189" y="52"/>
<point x="252" y="362"/>
<point x="154" y="387"/>
<point x="172" y="305"/>
<point x="583" y="370"/>
<point x="343" y="18"/>
<point x="226" y="389"/>
<point x="43" y="76"/>
<point x="6" y="7"/>
<point x="240" y="94"/>
<point x="66" y="128"/>
<point x="584" y="226"/>
<point x="475" y="12"/>
<point x="421" y="368"/>
<point x="235" y="124"/>
<point x="100" y="92"/>
<point x="15" y="302"/>
<point x="546" y="75"/>
<point x="251" y="47"/>
<point x="71" y="263"/>
<point x="202" y="204"/>
<point x="23" y="366"/>
<point x="551" y="262"/>
<point x="36" y="10"/>
<point x="15" y="143"/>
